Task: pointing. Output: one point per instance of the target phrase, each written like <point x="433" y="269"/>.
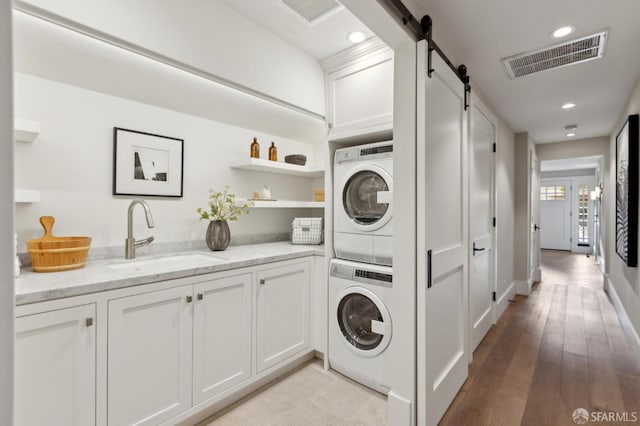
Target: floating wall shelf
<point x="27" y="196"/>
<point x="278" y="167"/>
<point x="25" y="130"/>
<point x="284" y="204"/>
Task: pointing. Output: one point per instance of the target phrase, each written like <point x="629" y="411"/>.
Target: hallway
<point x="559" y="349"/>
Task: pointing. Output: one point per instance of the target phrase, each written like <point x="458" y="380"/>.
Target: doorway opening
<point x="571" y="206"/>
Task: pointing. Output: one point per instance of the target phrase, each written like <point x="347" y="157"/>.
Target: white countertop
<point x="100" y="275"/>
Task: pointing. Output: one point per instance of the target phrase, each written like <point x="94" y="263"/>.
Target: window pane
<point x="583" y="215"/>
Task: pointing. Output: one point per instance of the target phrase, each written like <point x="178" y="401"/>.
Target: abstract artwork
<point x="147" y="164"/>
<point x="627" y="191"/>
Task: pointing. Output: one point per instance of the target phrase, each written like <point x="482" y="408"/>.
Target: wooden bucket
<point x="54" y="254"/>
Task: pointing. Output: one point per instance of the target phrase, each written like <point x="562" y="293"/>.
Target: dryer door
<point x="367" y="197"/>
<point x="364" y="321"/>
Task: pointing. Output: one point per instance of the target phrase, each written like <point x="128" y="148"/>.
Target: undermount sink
<point x="166" y="263"/>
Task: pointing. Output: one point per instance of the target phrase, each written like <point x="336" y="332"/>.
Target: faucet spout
<point x="130" y="242"/>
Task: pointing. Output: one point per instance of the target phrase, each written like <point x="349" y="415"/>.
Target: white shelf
<point x="278" y="167"/>
<point x="26" y="196"/>
<point x="25" y="130"/>
<point x="283" y="204"/>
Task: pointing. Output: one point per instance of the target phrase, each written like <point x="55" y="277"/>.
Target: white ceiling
<point x="323" y="39"/>
<point x="481" y="33"/>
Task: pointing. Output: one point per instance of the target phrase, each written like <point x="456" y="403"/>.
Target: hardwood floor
<point x="559" y="349"/>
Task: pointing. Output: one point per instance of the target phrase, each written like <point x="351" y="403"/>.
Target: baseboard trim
<point x="503" y="302"/>
<point x="523" y="287"/>
<point x="630" y="332"/>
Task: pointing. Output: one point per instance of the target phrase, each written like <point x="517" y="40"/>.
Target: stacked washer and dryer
<point x="361" y="277"/>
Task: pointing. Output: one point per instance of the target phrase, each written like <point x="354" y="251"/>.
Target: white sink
<point x="166" y="263"/>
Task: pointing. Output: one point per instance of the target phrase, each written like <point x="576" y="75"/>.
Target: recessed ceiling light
<point x="563" y="31"/>
<point x="568" y="105"/>
<point x="356" y="37"/>
<point x="571" y="134"/>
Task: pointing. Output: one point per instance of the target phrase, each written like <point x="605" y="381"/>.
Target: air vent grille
<point x="311" y="11"/>
<point x="556" y="56"/>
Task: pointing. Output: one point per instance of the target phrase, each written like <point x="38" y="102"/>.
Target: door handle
<point x="477" y="249"/>
<point x="429" y="277"/>
<point x="535" y="227"/>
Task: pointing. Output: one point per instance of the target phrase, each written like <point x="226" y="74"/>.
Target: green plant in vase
<point x="222" y="208"/>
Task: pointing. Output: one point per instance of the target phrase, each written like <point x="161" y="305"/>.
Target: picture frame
<point x="147" y="164"/>
<point x="627" y="158"/>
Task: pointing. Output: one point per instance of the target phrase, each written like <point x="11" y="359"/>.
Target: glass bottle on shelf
<point x="273" y="152"/>
<point x="255" y="149"/>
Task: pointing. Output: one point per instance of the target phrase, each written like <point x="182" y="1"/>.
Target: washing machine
<point x="362" y="206"/>
<point x="360" y="325"/>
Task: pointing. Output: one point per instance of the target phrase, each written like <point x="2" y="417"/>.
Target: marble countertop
<point x="111" y="274"/>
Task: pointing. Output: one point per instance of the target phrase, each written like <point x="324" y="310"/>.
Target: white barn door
<point x="442" y="239"/>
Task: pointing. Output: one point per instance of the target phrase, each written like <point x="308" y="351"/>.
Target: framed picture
<point x="146" y="164"/>
<point x="627" y="191"/>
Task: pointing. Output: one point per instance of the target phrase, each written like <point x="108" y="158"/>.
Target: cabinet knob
<point x="88" y="322"/>
<point x="262" y="281"/>
<point x="200" y="296"/>
<point x="189" y="299"/>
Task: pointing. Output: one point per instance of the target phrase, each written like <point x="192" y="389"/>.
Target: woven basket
<point x="54" y="254"/>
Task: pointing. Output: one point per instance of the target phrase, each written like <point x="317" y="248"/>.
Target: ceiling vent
<point x="310" y="11"/>
<point x="558" y="55"/>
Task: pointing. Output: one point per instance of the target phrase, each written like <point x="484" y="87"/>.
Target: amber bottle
<point x="273" y="152"/>
<point x="255" y="149"/>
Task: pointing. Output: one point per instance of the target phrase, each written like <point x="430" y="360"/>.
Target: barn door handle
<point x="477" y="249"/>
<point x="429" y="277"/>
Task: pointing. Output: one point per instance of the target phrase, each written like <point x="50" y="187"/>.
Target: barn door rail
<point x="423" y="30"/>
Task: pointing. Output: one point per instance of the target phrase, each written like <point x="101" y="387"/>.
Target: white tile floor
<point x="310" y="396"/>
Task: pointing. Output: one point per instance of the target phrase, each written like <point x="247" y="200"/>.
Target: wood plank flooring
<point x="559" y="349"/>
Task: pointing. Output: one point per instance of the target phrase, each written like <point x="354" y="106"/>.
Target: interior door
<point x="441" y="238"/>
<point x="555" y="214"/>
<point x="480" y="225"/>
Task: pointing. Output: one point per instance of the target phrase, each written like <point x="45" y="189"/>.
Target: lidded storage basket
<point x="306" y="230"/>
<point x="54" y="254"/>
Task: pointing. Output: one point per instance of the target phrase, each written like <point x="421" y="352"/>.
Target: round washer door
<point x="364" y="321"/>
<point x="366" y="197"/>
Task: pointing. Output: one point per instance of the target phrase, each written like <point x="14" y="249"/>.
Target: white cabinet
<point x="222" y="335"/>
<point x="360" y="92"/>
<point x="55" y="370"/>
<point x="282" y="313"/>
<point x="149" y="356"/>
<point x="174" y="348"/>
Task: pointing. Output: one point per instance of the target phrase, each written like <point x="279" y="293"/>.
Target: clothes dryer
<point x="363" y="205"/>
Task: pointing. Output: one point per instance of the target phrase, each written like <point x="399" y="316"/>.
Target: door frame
<point x="482" y="108"/>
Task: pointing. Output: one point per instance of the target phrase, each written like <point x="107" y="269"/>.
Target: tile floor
<point x="310" y="396"/>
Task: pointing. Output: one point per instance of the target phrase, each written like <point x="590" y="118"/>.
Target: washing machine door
<point x="367" y="197"/>
<point x="364" y="321"/>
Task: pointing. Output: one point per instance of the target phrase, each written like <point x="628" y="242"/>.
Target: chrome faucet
<point x="130" y="242"/>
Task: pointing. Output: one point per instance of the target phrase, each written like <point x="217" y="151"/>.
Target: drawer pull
<point x="262" y="281"/>
<point x="88" y="322"/>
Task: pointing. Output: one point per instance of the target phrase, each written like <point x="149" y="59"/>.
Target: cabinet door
<point x="282" y="310"/>
<point x="361" y="96"/>
<point x="149" y="356"/>
<point x="222" y="335"/>
<point x="55" y="355"/>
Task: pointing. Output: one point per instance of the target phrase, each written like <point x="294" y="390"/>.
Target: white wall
<point x="625" y="282"/>
<point x="6" y="217"/>
<point x="71" y="163"/>
<point x="522" y="213"/>
<point x="505" y="206"/>
<point x="210" y="36"/>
